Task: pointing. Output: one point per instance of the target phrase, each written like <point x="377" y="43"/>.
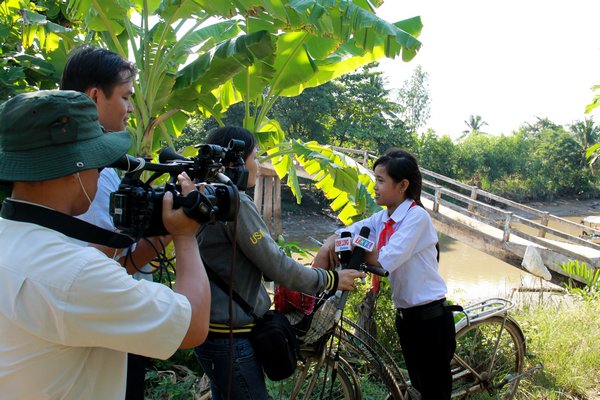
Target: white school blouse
<point x="410" y="255"/>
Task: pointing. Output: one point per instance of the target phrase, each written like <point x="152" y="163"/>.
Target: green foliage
<point x="414" y="99"/>
<point x="364" y="116"/>
<point x="434" y="153"/>
<point x="292" y="248"/>
<point x="307" y="117"/>
<point x="33" y="45"/>
<point x="474" y="123"/>
<point x="590" y="277"/>
<point x="346" y="183"/>
<point x="562" y="337"/>
<point x="174" y="379"/>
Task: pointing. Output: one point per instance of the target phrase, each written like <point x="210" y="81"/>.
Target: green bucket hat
<point x="53" y="133"/>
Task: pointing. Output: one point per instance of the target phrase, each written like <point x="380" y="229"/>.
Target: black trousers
<point x="136" y="375"/>
<point x="428" y="346"/>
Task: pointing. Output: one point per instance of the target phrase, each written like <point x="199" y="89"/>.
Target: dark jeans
<point x="136" y="374"/>
<point x="248" y="381"/>
<point x="428" y="346"/>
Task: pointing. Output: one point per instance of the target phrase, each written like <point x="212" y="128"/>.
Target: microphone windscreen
<point x="346" y="254"/>
<point x="169" y="154"/>
<point x="126" y="163"/>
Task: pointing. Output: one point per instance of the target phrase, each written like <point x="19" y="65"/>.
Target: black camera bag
<point x="273" y="338"/>
<point x="275" y="345"/>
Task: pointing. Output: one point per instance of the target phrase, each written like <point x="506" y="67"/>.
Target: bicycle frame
<point x="354" y="349"/>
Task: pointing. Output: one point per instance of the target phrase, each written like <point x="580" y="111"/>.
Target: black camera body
<point x="136" y="207"/>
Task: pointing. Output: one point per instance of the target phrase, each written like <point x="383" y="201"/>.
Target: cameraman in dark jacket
<point x="256" y="255"/>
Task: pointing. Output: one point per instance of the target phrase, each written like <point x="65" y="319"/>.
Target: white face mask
<point x="83" y="188"/>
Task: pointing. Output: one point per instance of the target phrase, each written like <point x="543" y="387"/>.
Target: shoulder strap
<point x="65" y="224"/>
<point x="214" y="277"/>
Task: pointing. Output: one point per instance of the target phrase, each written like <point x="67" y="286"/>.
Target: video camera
<point x="136" y="207"/>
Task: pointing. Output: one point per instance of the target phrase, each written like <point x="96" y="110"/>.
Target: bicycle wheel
<point x="373" y="368"/>
<point x="317" y="379"/>
<point x="488" y="360"/>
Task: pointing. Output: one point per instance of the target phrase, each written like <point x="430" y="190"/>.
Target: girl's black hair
<point x="223" y="135"/>
<point x="400" y="164"/>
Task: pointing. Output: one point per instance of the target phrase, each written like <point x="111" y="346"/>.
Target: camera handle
<point x="195" y="205"/>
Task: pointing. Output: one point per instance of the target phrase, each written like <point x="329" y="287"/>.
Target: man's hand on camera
<point x="176" y="222"/>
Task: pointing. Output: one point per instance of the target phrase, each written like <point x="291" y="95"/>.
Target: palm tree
<point x="587" y="134"/>
<point x="475" y="123"/>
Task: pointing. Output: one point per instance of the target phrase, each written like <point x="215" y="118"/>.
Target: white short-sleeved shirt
<point x="69" y="315"/>
<point x="99" y="214"/>
<point x="410" y="255"/>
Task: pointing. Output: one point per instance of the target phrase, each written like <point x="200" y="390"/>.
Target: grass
<point x="564" y="336"/>
<point x="562" y="332"/>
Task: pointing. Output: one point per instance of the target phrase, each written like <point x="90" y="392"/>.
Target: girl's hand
<point x="326" y="257"/>
<point x="371" y="257"/>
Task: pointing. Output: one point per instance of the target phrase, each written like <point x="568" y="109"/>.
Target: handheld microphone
<point x="361" y="243"/>
<point x="356" y="259"/>
<point x="343" y="246"/>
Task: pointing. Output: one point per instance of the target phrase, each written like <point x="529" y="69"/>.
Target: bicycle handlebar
<point x="374" y="270"/>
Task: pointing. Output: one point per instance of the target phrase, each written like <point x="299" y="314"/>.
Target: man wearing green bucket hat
<point x="68" y="313"/>
<point x="107" y="78"/>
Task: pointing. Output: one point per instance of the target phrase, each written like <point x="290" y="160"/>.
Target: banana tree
<point x="33" y="47"/>
<point x="257" y="51"/>
<point x="181" y="58"/>
<point x="316" y="41"/>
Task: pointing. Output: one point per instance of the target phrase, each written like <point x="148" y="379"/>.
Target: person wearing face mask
<point x="68" y="314"/>
<point x="243" y="252"/>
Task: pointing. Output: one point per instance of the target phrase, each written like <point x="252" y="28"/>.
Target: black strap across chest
<point x="65" y="224"/>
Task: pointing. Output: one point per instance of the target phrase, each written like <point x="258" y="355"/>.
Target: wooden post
<point x="474" y="197"/>
<point x="277" y="206"/>
<point x="507" y="218"/>
<point x="267" y="197"/>
<point x="437" y="198"/>
<point x="366" y="159"/>
<point x="258" y="193"/>
<point x="545" y="219"/>
<point x="268" y="203"/>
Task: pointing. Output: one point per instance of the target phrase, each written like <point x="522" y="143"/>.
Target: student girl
<point x="242" y="252"/>
<point x="407" y="248"/>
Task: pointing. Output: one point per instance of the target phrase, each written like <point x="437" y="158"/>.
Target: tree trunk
<point x="366" y="314"/>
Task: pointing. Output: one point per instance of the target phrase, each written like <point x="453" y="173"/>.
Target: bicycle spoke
<point x="316" y="380"/>
<point x="488" y="354"/>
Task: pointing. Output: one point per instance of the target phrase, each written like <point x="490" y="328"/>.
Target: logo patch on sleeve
<point x="256" y="236"/>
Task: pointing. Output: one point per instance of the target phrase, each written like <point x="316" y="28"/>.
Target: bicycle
<point x="488" y="362"/>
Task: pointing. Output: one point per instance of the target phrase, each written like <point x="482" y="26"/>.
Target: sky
<point x="508" y="61"/>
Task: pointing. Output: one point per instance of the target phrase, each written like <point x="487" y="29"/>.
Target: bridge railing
<point x="483" y="206"/>
<point x="494" y="210"/>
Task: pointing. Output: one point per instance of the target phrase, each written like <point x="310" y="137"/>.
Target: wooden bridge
<point x="492" y="224"/>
